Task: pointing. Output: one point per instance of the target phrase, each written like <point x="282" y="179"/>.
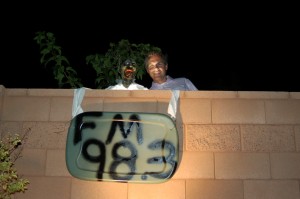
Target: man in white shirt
<point x="157" y="65"/>
<point x="128" y="72"/>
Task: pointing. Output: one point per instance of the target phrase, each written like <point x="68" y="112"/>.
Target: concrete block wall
<point x="234" y="145"/>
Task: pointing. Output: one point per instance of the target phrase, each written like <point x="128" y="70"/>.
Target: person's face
<point x="157" y="69"/>
<point x="128" y="71"/>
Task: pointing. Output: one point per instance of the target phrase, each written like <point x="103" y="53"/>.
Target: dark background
<point x="245" y="47"/>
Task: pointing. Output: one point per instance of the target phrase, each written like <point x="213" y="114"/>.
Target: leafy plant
<point x="105" y="65"/>
<point x="52" y="55"/>
<point x="10" y="181"/>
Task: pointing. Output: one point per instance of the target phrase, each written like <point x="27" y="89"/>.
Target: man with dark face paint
<point x="128" y="72"/>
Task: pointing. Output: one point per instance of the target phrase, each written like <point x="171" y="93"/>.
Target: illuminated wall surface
<point x="118" y="146"/>
<point x="231" y="144"/>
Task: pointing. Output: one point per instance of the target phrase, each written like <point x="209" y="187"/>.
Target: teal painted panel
<point x="122" y="147"/>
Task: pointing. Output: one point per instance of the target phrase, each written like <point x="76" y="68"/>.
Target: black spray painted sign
<point x="122" y="146"/>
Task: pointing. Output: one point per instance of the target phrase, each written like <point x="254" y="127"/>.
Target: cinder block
<point x="213" y="138"/>
<point x="174" y="189"/>
<point x="283" y="111"/>
<point x="297" y="137"/>
<point x="95" y="190"/>
<point x="238" y="111"/>
<point x="242" y="166"/>
<point x="47" y="188"/>
<point x="26" y="109"/>
<point x="203" y="189"/>
<point x="32" y="162"/>
<point x="130" y="105"/>
<point x="46" y="135"/>
<point x="196" y="165"/>
<point x="268" y="138"/>
<point x="61" y="109"/>
<point x="56" y="163"/>
<point x="195" y="111"/>
<point x="285" y="165"/>
<point x="271" y="189"/>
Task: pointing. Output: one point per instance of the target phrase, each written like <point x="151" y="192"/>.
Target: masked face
<point x="128" y="70"/>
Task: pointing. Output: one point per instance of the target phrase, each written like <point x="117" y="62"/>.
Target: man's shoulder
<point x="180" y="79"/>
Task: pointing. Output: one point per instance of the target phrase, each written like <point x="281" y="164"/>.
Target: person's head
<point x="128" y="72"/>
<point x="156" y="65"/>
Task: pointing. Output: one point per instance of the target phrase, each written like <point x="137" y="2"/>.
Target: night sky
<point x="253" y="49"/>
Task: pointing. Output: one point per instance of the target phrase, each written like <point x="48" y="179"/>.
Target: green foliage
<point x="10" y="181"/>
<point x="105" y="65"/>
<point x="52" y="55"/>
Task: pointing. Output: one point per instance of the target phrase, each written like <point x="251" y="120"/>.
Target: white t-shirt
<point x="132" y="86"/>
<point x="174" y="84"/>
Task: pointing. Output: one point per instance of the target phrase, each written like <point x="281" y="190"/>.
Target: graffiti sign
<point x="122" y="146"/>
